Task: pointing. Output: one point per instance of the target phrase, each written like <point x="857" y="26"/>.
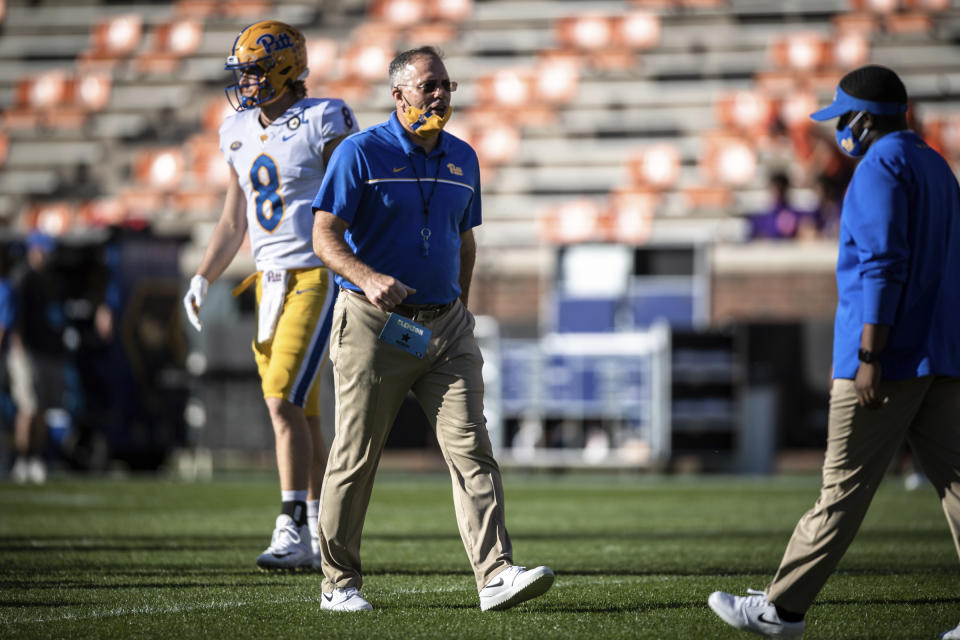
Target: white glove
<point x="194" y="299"/>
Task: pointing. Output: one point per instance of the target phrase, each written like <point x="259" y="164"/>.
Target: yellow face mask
<point x="423" y="124"/>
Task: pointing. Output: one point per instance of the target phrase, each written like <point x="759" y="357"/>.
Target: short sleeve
<point x="473" y="217"/>
<point x="342" y="185"/>
<point x="338" y="121"/>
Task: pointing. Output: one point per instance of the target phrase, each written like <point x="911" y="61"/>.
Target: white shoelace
<point x="284" y="537"/>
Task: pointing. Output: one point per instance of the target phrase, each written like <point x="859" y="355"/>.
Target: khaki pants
<point x="861" y="443"/>
<point x="371" y="379"/>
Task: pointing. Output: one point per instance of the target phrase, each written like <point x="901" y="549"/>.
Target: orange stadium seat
<point x="215" y="111"/>
<point x="727" y="159"/>
<point x="850" y="50"/>
<point x="437" y="32"/>
<point x="557" y="76"/>
<point x="399" y="12"/>
<point x="656" y="166"/>
<point x="170" y="43"/>
<point x="795" y="108"/>
<point x="585" y="32"/>
<point x="708" y="198"/>
<point x="450" y="10"/>
<point x="321" y="59"/>
<point x="161" y="169"/>
<point x="801" y="51"/>
<point x="912" y="22"/>
<point x="862" y="22"/>
<point x="112" y="40"/>
<point x="877" y="6"/>
<point x="368" y="59"/>
<point x="56" y="99"/>
<point x="497" y="143"/>
<point x="207" y="166"/>
<point x="927" y="5"/>
<point x="578" y="220"/>
<point x="637" y="30"/>
<point x="4" y="147"/>
<point x="748" y="111"/>
<point x="198" y="9"/>
<point x="351" y="90"/>
<point x="252" y="10"/>
<point x="631" y="213"/>
<point x="54" y="218"/>
<point x="102" y="212"/>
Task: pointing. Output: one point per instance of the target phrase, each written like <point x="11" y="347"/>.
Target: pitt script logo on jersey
<point x="271" y="43"/>
<point x="454" y="169"/>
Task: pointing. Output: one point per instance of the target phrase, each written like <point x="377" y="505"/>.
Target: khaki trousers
<point x="861" y="443"/>
<point x="371" y="380"/>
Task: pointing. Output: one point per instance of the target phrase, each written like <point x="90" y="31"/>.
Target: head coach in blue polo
<point x="896" y="347"/>
<point x="394" y="218"/>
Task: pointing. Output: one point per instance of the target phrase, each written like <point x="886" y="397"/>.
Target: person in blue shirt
<point x="896" y="351"/>
<point x="394" y="218"/>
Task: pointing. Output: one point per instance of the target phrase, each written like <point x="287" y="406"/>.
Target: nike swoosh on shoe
<point x="770" y="622"/>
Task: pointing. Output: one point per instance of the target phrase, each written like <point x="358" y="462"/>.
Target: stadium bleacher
<point x="562" y="99"/>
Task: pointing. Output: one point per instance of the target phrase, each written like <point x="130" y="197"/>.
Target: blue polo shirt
<point x="899" y="260"/>
<point x="372" y="184"/>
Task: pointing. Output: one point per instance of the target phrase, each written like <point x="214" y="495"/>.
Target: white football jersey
<point x="280" y="168"/>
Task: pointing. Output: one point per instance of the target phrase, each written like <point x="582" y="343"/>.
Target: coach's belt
<point x="423" y="312"/>
<point x="416" y="312"/>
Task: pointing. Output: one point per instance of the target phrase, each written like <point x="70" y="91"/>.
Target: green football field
<point x="635" y="557"/>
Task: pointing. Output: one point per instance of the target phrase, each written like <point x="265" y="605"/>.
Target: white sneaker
<point x="21" y="471"/>
<point x="953" y="634"/>
<point x="753" y="613"/>
<point x="37" y="471"/>
<point x="289" y="548"/>
<point x="348" y="599"/>
<point x="514" y="585"/>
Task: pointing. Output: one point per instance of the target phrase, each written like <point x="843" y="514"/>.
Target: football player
<point x="278" y="145"/>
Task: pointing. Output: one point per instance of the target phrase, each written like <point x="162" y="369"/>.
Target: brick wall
<point x="773" y="282"/>
<point x="773" y="296"/>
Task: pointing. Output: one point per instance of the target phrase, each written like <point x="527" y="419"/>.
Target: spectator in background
<point x="896" y="351"/>
<point x="781" y="220"/>
<point x="37" y="356"/>
<point x="826" y="215"/>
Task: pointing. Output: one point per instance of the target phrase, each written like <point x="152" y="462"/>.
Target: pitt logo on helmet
<point x="267" y="60"/>
<point x="271" y="43"/>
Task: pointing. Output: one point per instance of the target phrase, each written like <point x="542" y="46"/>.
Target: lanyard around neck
<point x="424" y="200"/>
<point x="425" y="232"/>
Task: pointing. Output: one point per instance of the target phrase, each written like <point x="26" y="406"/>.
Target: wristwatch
<point x="865" y="355"/>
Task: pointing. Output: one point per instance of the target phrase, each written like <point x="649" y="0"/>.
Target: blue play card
<point x="406" y="334"/>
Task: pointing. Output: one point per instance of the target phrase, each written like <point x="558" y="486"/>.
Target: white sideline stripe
<point x="125" y="611"/>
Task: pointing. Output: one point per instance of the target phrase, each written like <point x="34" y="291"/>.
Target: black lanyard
<point x="425" y="231"/>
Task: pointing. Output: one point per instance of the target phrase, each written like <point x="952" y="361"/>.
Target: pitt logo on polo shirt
<point x="454" y="169"/>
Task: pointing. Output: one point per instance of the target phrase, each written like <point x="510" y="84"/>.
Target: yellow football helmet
<point x="275" y="53"/>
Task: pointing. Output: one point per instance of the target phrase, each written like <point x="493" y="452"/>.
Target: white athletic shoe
<point x="20" y="472"/>
<point x="514" y="585"/>
<point x="289" y="548"/>
<point x="753" y="613"/>
<point x="953" y="634"/>
<point x="348" y="599"/>
<point x="37" y="471"/>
